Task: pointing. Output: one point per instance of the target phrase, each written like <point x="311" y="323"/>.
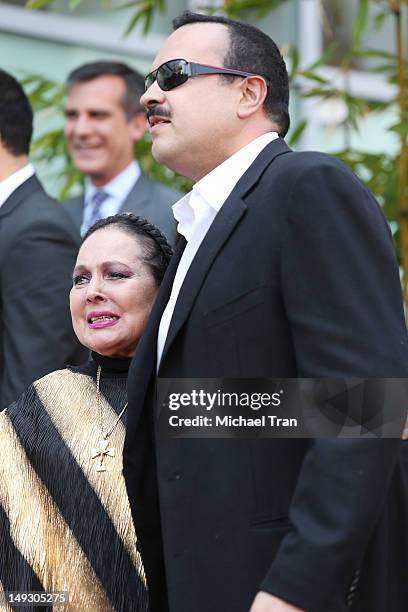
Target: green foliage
<point x="359" y="25"/>
<point x="157" y="171"/>
<point x="37" y="4"/>
<point x="380" y="171"/>
<point x="145" y="10"/>
<point x="144" y="13"/>
<point x="295" y="134"/>
<point x="380" y="174"/>
<point x="241" y="9"/>
<point x="324" y="58"/>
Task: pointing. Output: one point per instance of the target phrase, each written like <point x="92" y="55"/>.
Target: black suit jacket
<point x="296" y="277"/>
<point x="38" y="247"/>
<point x="147" y="199"/>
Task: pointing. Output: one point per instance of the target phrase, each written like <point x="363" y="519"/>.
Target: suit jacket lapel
<point x="224" y="223"/>
<point x="144" y="360"/>
<point x="76" y="210"/>
<point x="221" y="228"/>
<point x="139" y="194"/>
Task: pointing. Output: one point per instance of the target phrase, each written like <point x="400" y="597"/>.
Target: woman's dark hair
<point x="251" y="50"/>
<point x="157" y="251"/>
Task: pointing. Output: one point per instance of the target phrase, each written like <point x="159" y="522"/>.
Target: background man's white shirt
<point x="117" y="189"/>
<point x="12" y="182"/>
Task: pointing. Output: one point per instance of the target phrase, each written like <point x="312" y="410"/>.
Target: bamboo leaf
<point x="37" y="4"/>
<point x="143" y="14"/>
<point x="138" y="16"/>
<point x="359" y="23"/>
<point x="294" y="60"/>
<point x="238" y="8"/>
<point x="384" y="68"/>
<point x="379" y="19"/>
<point x="400" y="128"/>
<point x="375" y="53"/>
<point x="318" y="91"/>
<point x="297" y="132"/>
<point x="73" y="4"/>
<point x="308" y="74"/>
<point x="325" y="57"/>
<point x="127" y="5"/>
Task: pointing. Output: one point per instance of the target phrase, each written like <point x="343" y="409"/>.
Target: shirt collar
<point x="119" y="186"/>
<point x="12" y="182"/>
<point x="216" y="186"/>
<point x="213" y="189"/>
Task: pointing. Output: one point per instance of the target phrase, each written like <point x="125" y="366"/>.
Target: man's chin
<point x="88" y="165"/>
<point x="165" y="155"/>
<point x="97" y="176"/>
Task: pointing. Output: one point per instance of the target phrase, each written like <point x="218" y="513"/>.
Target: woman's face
<point x="112" y="294"/>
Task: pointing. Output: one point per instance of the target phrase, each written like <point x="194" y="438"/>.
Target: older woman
<point x="65" y="522"/>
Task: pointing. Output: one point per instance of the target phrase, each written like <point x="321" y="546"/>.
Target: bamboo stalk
<point x="403" y="161"/>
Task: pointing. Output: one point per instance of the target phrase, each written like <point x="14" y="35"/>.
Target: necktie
<point x="97" y="200"/>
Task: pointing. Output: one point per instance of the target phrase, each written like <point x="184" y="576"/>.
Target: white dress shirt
<point x="10" y="184"/>
<point x="196" y="211"/>
<point x="117" y="189"/>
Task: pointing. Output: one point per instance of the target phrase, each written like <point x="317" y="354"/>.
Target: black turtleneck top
<point x="114" y="373"/>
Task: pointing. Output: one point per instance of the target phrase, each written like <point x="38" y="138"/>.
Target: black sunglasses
<point x="175" y="72"/>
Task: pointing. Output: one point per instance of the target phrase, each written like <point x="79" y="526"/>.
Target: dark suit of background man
<point x="104" y="120"/>
<point x="289" y="271"/>
<point x="38" y="246"/>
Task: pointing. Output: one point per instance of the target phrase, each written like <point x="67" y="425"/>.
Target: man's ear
<point x="137" y="125"/>
<point x="253" y="93"/>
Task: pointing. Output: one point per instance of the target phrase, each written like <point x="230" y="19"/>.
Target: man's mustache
<point x="158" y="111"/>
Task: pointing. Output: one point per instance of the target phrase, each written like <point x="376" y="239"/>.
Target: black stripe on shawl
<point x="15" y="573"/>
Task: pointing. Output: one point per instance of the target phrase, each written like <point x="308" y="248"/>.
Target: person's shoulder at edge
<point x="49" y="214"/>
<point x="314" y="170"/>
<point x="313" y="159"/>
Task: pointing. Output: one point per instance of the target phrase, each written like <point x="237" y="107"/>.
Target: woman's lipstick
<point x="98" y="319"/>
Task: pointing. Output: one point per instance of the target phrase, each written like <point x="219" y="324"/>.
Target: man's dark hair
<point x="16" y="116"/>
<point x="134" y="82"/>
<point x="157" y="252"/>
<point x="251" y="50"/>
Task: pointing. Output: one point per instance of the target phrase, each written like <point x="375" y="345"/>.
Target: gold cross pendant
<point x="100" y="453"/>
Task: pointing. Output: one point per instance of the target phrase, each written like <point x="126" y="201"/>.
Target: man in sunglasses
<point x="287" y="269"/>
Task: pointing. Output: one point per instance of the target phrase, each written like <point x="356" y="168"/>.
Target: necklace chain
<point x="108" y="433"/>
<point x="104" y="449"/>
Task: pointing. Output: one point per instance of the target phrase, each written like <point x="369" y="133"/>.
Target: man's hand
<point x="265" y="602"/>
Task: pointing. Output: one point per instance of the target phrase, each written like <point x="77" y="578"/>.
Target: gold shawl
<point x="70" y="524"/>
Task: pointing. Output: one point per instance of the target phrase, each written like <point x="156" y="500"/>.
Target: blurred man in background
<point x="104" y="120"/>
<point x="38" y="245"/>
